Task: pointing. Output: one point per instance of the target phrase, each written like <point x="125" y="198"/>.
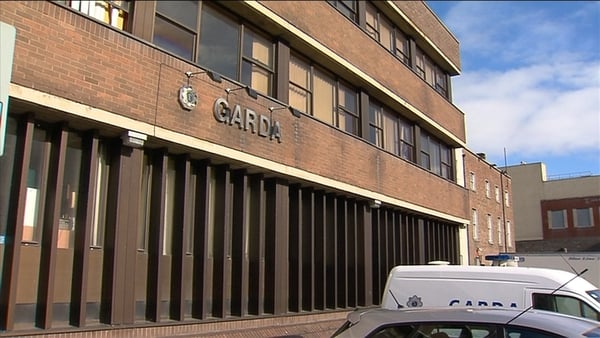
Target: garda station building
<point x="170" y="164"/>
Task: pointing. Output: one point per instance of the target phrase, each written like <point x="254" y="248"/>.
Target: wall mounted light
<point x="213" y="75"/>
<point x="375" y="204"/>
<point x="133" y="139"/>
<point x="251" y="92"/>
<point x="295" y="112"/>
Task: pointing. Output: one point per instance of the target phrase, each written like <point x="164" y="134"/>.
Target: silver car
<point x="462" y="322"/>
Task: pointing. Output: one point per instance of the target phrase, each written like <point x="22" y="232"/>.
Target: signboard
<point x="7" y="49"/>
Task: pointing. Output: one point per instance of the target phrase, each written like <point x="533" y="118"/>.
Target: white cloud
<point x="531" y="76"/>
<point x="534" y="110"/>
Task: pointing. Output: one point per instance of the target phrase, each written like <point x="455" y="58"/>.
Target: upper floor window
<point x="390" y="131"/>
<point x="431" y="73"/>
<point x="490" y="227"/>
<point x="216" y="41"/>
<point x="506" y="199"/>
<point x="347" y="7"/>
<point x="497" y="193"/>
<point x="383" y="31"/>
<point x="475" y="223"/>
<point x="499" y="231"/>
<point x="321" y="95"/>
<point x="508" y="235"/>
<point x="436" y="156"/>
<point x="487" y="189"/>
<point x="472" y="181"/>
<point x="114" y="13"/>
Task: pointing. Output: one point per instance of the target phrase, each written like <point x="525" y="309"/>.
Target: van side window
<point x="564" y="304"/>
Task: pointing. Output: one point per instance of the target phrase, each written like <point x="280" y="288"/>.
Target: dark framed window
<point x="396" y="133"/>
<point x="435" y="156"/>
<point x="323" y="96"/>
<point x="216" y="40"/>
<point x="380" y="28"/>
<point x="347" y="7"/>
<point x="431" y="72"/>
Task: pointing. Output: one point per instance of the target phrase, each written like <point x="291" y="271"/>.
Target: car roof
<point x="570" y="326"/>
<point x="540" y="276"/>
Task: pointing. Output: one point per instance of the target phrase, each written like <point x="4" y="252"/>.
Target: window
<point x="70" y="190"/>
<point x="490" y="229"/>
<point x="346" y="7"/>
<point x="436" y="157"/>
<point x="475" y="224"/>
<point x="379" y="27"/>
<point x="215" y="41"/>
<point x="431" y="73"/>
<point x="329" y="100"/>
<point x="497" y="193"/>
<point x="508" y="235"/>
<point x="472" y="181"/>
<point x="499" y="231"/>
<point x="347" y="109"/>
<point x="176" y="27"/>
<point x="557" y="219"/>
<point x="506" y="199"/>
<point x="564" y="304"/>
<point x="100" y="197"/>
<point x="300" y="95"/>
<point x="582" y="217"/>
<point x="114" y="13"/>
<point x="37" y="174"/>
<point x="487" y="189"/>
<point x="376" y="124"/>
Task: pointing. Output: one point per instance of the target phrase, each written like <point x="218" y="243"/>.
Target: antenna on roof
<point x="551" y="293"/>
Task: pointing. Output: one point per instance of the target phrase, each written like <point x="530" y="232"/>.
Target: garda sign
<point x="7" y="49"/>
<point x="246" y="119"/>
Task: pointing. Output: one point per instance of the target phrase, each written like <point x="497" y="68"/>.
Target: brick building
<point x="169" y="164"/>
<point x="555" y="213"/>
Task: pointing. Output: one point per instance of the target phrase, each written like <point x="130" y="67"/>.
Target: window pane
<point x="70" y="191"/>
<point x="390" y="131"/>
<point x="173" y="38"/>
<point x="256" y="77"/>
<point x="299" y="96"/>
<point x="258" y="48"/>
<point x="100" y="198"/>
<point x="557" y="219"/>
<point x="348" y="99"/>
<point x="37" y="174"/>
<point x="583" y="217"/>
<point x="371" y="22"/>
<point x="219" y="43"/>
<point x="183" y="12"/>
<point x="386" y="34"/>
<point x="324" y="90"/>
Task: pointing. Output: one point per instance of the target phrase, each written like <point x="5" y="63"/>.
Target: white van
<point x="517" y="287"/>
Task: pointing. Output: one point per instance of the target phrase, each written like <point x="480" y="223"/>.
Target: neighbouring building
<point x="173" y="166"/>
<point x="555" y="214"/>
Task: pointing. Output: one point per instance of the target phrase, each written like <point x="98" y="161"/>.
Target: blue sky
<point x="530" y="80"/>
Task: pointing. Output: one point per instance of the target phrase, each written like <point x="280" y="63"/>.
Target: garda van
<point x="516" y="287"/>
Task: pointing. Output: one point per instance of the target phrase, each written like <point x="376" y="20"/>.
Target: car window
<point x="520" y="332"/>
<point x="564" y="304"/>
<point x="437" y="331"/>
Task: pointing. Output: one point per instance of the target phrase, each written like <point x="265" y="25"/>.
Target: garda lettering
<point x="246" y="120"/>
<point x="470" y="302"/>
